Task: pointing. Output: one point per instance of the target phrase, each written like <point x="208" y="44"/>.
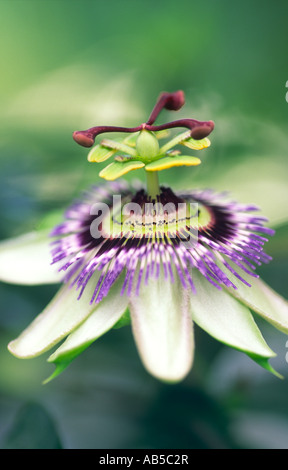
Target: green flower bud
<point x="147" y="145"/>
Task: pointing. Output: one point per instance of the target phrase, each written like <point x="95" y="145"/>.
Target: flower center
<point x="166" y="216"/>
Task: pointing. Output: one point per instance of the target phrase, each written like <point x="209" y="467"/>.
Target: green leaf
<point x="169" y="162"/>
<point x="61" y="366"/>
<point x="27" y="260"/>
<point x="228" y="320"/>
<point x="263" y="362"/>
<point x="117" y="169"/>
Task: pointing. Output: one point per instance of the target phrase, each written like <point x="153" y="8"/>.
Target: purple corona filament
<point x="232" y="240"/>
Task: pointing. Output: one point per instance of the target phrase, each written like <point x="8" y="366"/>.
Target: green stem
<point x="153" y="188"/>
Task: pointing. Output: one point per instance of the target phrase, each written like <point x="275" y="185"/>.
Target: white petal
<point x="264" y="301"/>
<point x="163" y="328"/>
<point x="226" y="319"/>
<point x="104" y="317"/>
<point x="27" y="260"/>
<point x="60" y="317"/>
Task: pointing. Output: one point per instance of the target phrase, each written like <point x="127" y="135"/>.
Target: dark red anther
<point x="83" y="138"/>
<point x="203" y="130"/>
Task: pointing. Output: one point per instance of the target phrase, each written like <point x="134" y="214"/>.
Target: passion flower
<point x="150" y="255"/>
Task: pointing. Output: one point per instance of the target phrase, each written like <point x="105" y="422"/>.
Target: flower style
<point x="158" y="258"/>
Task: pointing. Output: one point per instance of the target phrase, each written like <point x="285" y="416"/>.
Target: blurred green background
<point x="68" y="65"/>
